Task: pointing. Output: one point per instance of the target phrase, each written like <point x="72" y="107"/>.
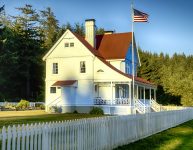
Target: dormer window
<point x="66" y="44"/>
<point x="82" y="67"/>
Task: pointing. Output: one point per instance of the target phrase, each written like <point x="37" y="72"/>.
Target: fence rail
<point x="91" y="134"/>
<point x="31" y="104"/>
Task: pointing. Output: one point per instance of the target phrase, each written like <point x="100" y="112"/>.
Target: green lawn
<point x="178" y="138"/>
<point x="5" y="121"/>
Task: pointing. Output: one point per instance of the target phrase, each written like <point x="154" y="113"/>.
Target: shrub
<point x="75" y="112"/>
<point x="55" y="109"/>
<point x="42" y="107"/>
<point x="23" y="104"/>
<point x="97" y="111"/>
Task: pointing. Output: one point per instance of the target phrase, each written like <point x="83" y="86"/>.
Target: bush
<point x="97" y="111"/>
<point x="23" y="104"/>
<point x="55" y="109"/>
<point x="42" y="107"/>
<point x="75" y="112"/>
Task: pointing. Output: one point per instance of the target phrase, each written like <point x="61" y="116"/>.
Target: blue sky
<point x="170" y="27"/>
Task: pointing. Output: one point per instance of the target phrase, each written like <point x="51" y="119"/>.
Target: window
<point x="55" y="68"/>
<point x="52" y="89"/>
<point x="82" y="67"/>
<point x="96" y="88"/>
<point x="66" y="45"/>
<point x="71" y="44"/>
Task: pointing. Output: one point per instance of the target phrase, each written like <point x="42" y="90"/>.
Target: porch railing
<point x="116" y="101"/>
<point x="155" y="106"/>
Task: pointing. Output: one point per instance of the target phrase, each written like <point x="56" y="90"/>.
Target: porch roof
<point x="64" y="83"/>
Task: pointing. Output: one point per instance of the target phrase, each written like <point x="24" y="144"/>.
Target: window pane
<point x="71" y="44"/>
<point x="82" y="67"/>
<point x="66" y="45"/>
<point x="52" y="89"/>
<point x="55" y="68"/>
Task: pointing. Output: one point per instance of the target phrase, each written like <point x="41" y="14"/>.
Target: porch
<point x="120" y="94"/>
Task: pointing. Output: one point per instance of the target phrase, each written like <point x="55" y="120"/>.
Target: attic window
<point x="100" y="70"/>
<point x="71" y="44"/>
<point x="66" y="44"/>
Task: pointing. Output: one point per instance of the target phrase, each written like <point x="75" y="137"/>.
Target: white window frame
<point x="55" y="68"/>
<point x="52" y="89"/>
<point x="66" y="44"/>
<point x="72" y="44"/>
<point x="82" y="66"/>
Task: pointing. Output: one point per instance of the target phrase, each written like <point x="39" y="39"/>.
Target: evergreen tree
<point x="28" y="46"/>
<point x="49" y="27"/>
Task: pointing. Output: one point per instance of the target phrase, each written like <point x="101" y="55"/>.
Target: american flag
<point x="139" y="16"/>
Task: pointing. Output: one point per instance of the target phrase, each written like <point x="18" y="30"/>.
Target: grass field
<point x="24" y="117"/>
<point x="178" y="138"/>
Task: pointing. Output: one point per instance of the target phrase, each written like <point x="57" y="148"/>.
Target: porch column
<point x="144" y="94"/>
<point x="130" y="93"/>
<point x="140" y="93"/>
<point x="137" y="93"/>
<point x="154" y="94"/>
<point x="111" y="93"/>
<point x="150" y="93"/>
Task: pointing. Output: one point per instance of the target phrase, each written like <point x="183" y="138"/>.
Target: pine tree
<point x="28" y="45"/>
<point x="49" y="27"/>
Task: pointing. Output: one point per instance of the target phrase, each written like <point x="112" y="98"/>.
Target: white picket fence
<point x="31" y="104"/>
<point x="91" y="134"/>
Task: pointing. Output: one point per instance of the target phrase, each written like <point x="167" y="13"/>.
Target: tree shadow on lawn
<point x="177" y="138"/>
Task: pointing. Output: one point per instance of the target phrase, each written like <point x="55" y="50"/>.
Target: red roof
<point x="64" y="83"/>
<point x="113" y="46"/>
<point x="97" y="53"/>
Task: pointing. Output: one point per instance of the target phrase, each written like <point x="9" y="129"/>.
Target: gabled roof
<point x="64" y="83"/>
<point x="113" y="46"/>
<point x="99" y="56"/>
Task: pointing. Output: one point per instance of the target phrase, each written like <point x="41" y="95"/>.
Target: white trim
<point x="56" y="44"/>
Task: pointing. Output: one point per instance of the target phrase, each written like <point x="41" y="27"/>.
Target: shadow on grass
<point x="178" y="138"/>
<point x="42" y="118"/>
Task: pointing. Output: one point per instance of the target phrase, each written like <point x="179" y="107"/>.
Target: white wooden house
<point x="95" y="70"/>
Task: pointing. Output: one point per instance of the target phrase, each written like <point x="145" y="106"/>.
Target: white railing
<point x="91" y="134"/>
<point x="116" y="101"/>
<point x="54" y="102"/>
<point x="140" y="107"/>
<point x="155" y="106"/>
<point x="31" y="104"/>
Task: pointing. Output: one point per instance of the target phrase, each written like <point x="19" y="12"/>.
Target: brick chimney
<point x="90" y="31"/>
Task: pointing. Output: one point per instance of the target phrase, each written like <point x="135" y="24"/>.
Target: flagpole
<point x="132" y="30"/>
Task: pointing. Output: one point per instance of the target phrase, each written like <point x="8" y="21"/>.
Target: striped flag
<point x="139" y="16"/>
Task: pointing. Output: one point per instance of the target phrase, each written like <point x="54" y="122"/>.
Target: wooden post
<point x="144" y="97"/>
<point x="111" y="93"/>
<point x="137" y="92"/>
<point x="150" y="93"/>
<point x="130" y="93"/>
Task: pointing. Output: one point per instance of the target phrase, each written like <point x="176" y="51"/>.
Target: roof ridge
<point x="114" y="33"/>
<point x="99" y="56"/>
